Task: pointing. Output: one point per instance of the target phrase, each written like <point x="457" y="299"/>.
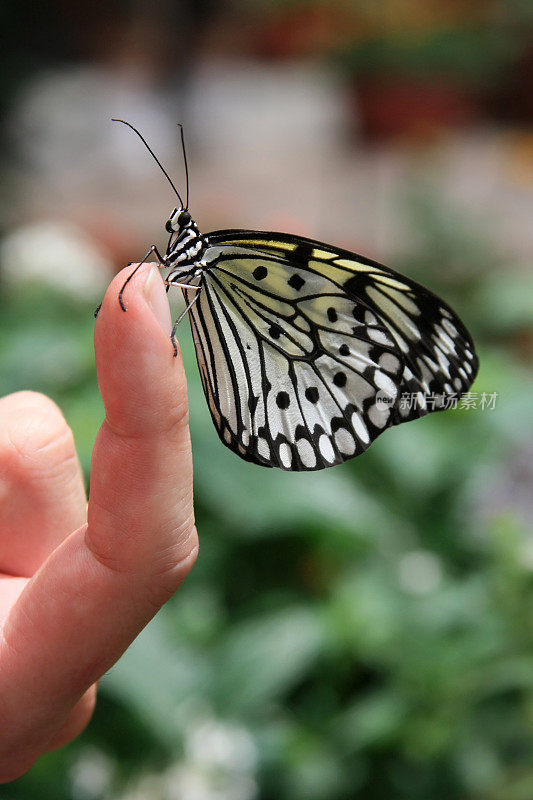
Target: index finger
<point x="143" y="448"/>
<point x="101" y="585"/>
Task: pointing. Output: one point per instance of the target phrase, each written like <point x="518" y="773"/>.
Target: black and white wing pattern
<point x="307" y="352"/>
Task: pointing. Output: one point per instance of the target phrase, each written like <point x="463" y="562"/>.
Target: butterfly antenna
<point x="180" y="126"/>
<point x="161" y="167"/>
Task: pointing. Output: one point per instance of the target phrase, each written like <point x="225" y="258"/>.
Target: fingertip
<point x="156" y="298"/>
<point x="140" y="381"/>
<point x="42" y="496"/>
<point x="124" y="291"/>
<point x="134" y="313"/>
<point x="32" y="422"/>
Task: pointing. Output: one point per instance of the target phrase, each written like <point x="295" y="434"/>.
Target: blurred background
<point x="364" y="632"/>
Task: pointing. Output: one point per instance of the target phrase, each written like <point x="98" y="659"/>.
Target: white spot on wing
<point x="389" y="362"/>
<point x="360" y="428"/>
<point x="306" y="453"/>
<point x="449" y="327"/>
<point x="379" y="415"/>
<point x="345" y="442"/>
<point x="285" y="455"/>
<point x="378" y="336"/>
<point x="263" y="448"/>
<point x="449" y="344"/>
<point x="326" y="449"/>
<point x="383" y="381"/>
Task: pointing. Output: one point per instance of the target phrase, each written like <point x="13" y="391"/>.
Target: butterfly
<point x="308" y="352"/>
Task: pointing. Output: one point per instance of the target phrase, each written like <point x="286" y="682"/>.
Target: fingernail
<point x="156" y="297"/>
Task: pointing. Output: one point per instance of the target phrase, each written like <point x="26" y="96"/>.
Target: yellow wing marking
<point x="391" y="282"/>
<point x="402" y="299"/>
<point x="269" y="243"/>
<point x="324" y="255"/>
<point x="356" y="266"/>
<point x="400" y="318"/>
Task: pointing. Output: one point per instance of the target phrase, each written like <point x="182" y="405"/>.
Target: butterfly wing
<point x="304" y="350"/>
<point x="437" y="350"/>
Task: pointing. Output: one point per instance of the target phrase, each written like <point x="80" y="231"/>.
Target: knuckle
<point x="163" y="567"/>
<point x="173" y="564"/>
<point x="174" y="420"/>
<point x="179" y="416"/>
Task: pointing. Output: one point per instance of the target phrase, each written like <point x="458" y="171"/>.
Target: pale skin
<point x="78" y="583"/>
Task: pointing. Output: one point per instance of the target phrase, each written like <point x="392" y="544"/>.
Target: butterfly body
<point x="306" y="350"/>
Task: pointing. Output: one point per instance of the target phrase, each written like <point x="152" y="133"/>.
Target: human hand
<point x="78" y="584"/>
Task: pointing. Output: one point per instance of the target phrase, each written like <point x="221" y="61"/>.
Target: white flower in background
<point x="91" y="775"/>
<point x="191" y="783"/>
<point x="212" y="743"/>
<point x="149" y="787"/>
<point x="420" y="572"/>
<point x="219" y="763"/>
<point x="58" y="254"/>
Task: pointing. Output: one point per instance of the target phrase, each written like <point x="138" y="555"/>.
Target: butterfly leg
<point x="181" y="285"/>
<point x="152" y="251"/>
<point x="183" y="313"/>
<point x="99" y="306"/>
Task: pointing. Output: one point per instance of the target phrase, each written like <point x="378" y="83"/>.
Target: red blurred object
<point x="403" y="108"/>
<point x="307" y="30"/>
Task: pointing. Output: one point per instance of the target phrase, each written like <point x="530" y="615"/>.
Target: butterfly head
<point x="179" y="221"/>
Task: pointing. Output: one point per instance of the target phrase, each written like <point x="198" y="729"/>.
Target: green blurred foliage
<point x="474" y="56"/>
<point x="369" y="628"/>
